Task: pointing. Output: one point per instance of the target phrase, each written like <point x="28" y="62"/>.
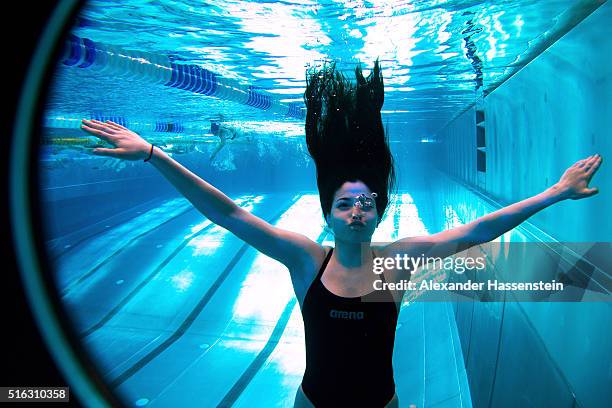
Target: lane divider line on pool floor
<point x="78" y="281"/>
<point x="84" y="277"/>
<point x="150" y="277"/>
<point x="245" y="379"/>
<point x="121" y="218"/>
<point x="194" y="313"/>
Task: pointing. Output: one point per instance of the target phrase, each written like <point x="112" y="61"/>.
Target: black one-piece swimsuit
<point x="349" y="347"/>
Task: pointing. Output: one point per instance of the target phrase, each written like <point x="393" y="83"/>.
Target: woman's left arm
<point x="574" y="184"/>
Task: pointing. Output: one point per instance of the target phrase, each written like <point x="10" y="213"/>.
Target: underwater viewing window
<point x="148" y="292"/>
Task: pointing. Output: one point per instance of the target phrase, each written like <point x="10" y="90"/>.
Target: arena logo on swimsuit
<point x="341" y="314"/>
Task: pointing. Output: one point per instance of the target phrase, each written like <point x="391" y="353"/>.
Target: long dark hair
<point x="345" y="134"/>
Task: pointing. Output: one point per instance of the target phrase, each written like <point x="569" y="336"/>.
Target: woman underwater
<point x="349" y="340"/>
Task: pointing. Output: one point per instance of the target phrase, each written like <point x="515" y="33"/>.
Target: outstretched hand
<point x="575" y="181"/>
<point x="128" y="145"/>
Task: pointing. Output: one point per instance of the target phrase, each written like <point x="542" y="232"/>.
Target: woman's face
<point x="353" y="219"/>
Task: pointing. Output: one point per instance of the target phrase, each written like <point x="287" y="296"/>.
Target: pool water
<point x="176" y="311"/>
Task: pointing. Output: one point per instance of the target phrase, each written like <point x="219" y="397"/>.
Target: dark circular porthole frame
<point x="26" y="221"/>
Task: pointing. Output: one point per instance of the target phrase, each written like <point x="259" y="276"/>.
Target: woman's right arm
<point x="292" y="249"/>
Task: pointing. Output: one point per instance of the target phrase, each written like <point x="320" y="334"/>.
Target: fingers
<point x="583" y="162"/>
<point x="96" y="131"/>
<point x="591" y="159"/>
<point x="96" y="124"/>
<point x="115" y="126"/>
<point x="588" y="162"/>
<point x="593" y="164"/>
<point x="109" y="126"/>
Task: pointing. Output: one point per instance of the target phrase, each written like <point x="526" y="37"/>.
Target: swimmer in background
<point x="223" y="132"/>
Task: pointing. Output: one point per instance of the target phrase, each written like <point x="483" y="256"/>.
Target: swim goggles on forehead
<point x="363" y="200"/>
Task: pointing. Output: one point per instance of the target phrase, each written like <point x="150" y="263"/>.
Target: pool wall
<point x="552" y="113"/>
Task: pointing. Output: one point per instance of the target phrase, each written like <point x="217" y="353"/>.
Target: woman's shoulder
<point x="379" y="250"/>
<point x="304" y="274"/>
<point x="313" y="259"/>
<point x="320" y="258"/>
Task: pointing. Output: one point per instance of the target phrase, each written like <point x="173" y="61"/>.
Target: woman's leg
<point x="217" y="149"/>
<point x="394" y="403"/>
<point x="302" y="401"/>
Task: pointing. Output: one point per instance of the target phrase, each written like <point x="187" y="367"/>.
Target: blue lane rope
<point x="86" y="54"/>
